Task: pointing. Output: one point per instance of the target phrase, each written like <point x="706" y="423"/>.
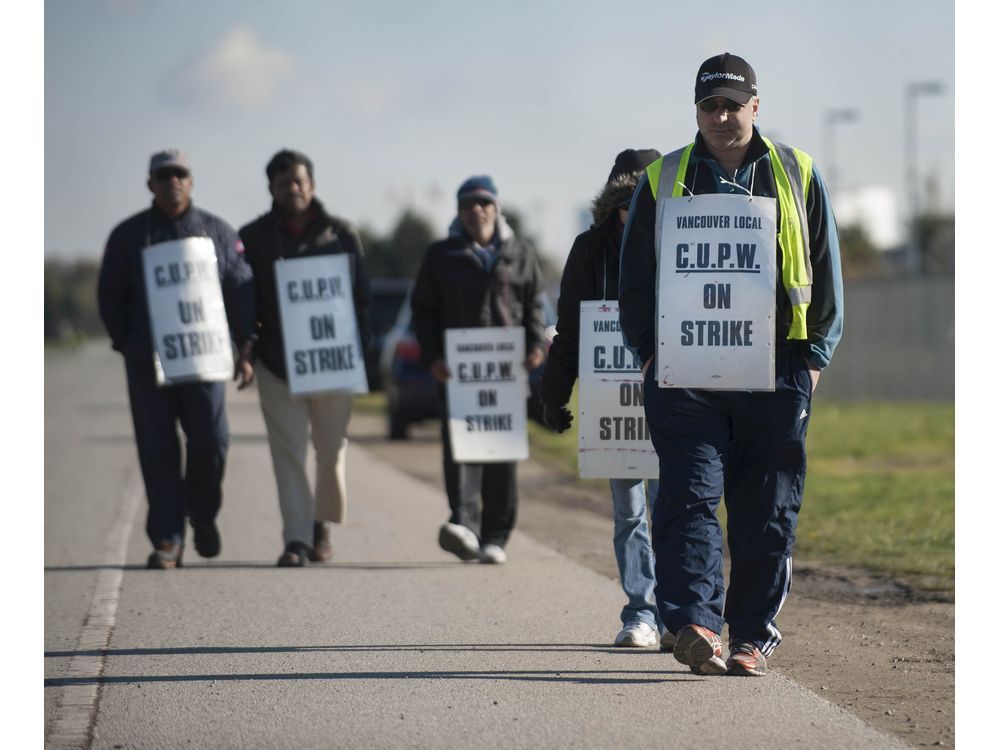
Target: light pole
<point x="914" y="90"/>
<point x="830" y="118"/>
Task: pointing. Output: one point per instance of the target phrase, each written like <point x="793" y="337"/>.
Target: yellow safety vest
<point x="792" y="170"/>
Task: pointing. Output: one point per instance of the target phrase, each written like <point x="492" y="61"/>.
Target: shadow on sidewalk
<point x="598" y="648"/>
<point x="581" y="677"/>
<point x="254" y="564"/>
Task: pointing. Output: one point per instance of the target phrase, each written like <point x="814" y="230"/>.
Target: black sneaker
<point x="295" y="555"/>
<point x="165" y="556"/>
<point x="206" y="539"/>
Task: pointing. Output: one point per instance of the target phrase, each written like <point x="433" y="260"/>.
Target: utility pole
<point x="830" y="118"/>
<point x="914" y="90"/>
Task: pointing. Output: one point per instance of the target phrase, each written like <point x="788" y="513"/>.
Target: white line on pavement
<point x="77" y="704"/>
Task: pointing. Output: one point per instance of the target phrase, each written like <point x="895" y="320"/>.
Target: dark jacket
<point x="591" y="272"/>
<point x="637" y="288"/>
<point x="454" y="290"/>
<point x="121" y="285"/>
<point x="267" y="239"/>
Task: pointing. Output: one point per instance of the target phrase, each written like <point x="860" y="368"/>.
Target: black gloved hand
<point x="556" y="416"/>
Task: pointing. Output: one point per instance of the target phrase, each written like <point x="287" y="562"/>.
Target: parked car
<point x="410" y="387"/>
<point x="387" y="295"/>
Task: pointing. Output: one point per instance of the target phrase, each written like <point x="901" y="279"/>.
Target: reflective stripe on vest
<point x="792" y="171"/>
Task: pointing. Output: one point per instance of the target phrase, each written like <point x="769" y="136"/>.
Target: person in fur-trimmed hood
<point x="591" y="273"/>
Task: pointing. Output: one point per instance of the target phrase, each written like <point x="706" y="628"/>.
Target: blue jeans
<point x="633" y="550"/>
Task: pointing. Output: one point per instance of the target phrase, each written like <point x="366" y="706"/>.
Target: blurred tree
<point x="374" y="252"/>
<point x="516" y="221"/>
<point x="69" y="299"/>
<point x="399" y="255"/>
<point x="859" y="258"/>
<point x="937" y="244"/>
<point x="409" y="240"/>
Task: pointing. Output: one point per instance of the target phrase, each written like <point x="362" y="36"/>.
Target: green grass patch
<point x="880" y="489"/>
<point x="370" y="403"/>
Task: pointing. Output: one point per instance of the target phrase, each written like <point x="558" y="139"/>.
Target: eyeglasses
<point x="165" y="175"/>
<point x="470" y="202"/>
<point x="710" y="105"/>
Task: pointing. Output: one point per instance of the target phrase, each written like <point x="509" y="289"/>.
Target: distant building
<point x="875" y="209"/>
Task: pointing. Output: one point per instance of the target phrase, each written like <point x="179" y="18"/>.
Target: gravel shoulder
<point x="868" y="644"/>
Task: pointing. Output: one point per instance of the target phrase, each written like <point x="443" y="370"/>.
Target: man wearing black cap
<point x="749" y="444"/>
<point x="480" y="276"/>
<point x="591" y="273"/>
<point x="199" y="406"/>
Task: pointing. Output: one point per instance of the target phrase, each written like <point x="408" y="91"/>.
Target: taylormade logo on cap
<point x="712" y="76"/>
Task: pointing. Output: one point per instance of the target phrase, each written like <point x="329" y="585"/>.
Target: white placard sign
<point x="188" y="318"/>
<point x="487" y="394"/>
<point x="716" y="257"/>
<point x="614" y="437"/>
<point x="320" y="328"/>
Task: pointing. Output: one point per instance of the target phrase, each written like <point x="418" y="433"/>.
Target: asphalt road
<point x="394" y="644"/>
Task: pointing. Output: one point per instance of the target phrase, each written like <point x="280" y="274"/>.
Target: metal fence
<point x="898" y="343"/>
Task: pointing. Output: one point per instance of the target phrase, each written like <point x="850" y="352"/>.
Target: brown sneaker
<point x="295" y="555"/>
<point x="165" y="556"/>
<point x="322" y="546"/>
<point x="700" y="649"/>
<point x="745" y="660"/>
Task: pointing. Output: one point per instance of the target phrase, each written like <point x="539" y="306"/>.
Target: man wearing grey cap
<point x="199" y="407"/>
<point x="747" y="441"/>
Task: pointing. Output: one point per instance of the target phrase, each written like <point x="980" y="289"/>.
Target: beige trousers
<point x="288" y="420"/>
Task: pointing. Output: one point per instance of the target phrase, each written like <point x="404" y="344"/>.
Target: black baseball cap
<point x="725" y="75"/>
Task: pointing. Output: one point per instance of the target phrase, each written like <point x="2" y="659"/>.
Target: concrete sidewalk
<point x="394" y="644"/>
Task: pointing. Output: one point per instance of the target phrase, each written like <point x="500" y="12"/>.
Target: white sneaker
<point x="492" y="554"/>
<point x="637" y="635"/>
<point x="459" y="540"/>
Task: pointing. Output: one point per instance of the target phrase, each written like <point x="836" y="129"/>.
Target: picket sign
<point x="487" y="394"/>
<point x="614" y="437"/>
<point x="716" y="261"/>
<point x="187" y="316"/>
<point x="322" y="340"/>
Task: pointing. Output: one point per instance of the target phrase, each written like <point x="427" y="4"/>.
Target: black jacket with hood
<point x="268" y="239"/>
<point x="454" y="290"/>
<point x="591" y="272"/>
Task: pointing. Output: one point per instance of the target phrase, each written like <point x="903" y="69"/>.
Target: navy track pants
<point x="750" y="448"/>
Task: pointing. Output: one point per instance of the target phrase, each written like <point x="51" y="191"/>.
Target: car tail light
<point x="408" y="349"/>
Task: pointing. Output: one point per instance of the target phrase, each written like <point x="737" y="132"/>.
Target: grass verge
<point x="880" y="488"/>
<point x="370" y="403"/>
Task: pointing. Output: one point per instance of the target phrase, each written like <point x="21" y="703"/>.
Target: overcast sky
<point x="398" y="102"/>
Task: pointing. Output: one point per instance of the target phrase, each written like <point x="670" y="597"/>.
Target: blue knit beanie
<point x="479" y="186"/>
